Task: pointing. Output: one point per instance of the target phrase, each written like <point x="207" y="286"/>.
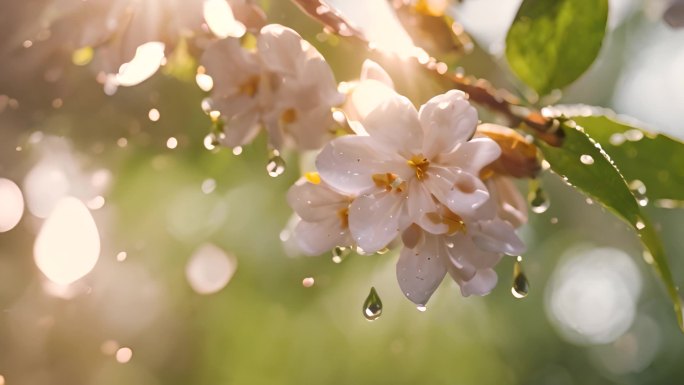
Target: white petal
<point x="420" y="271"/>
<point x="281" y="49"/>
<point x="465" y="252"/>
<point x="376" y="220"/>
<point x="512" y="207"/>
<point x="472" y="156"/>
<point x="447" y="120"/>
<point x="148" y="58"/>
<point x="315" y="202"/>
<point x="420" y="203"/>
<point x="230" y="68"/>
<point x="311" y="130"/>
<point x="373" y="70"/>
<point x="395" y="124"/>
<point x="498" y="236"/>
<point x="366" y="97"/>
<point x="481" y="284"/>
<point x="461" y="192"/>
<point x="241" y="129"/>
<point x="315" y="238"/>
<point x="220" y="19"/>
<point x="348" y="163"/>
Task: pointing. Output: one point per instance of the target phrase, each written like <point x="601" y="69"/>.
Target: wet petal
<point x="498" y="236"/>
<point x="461" y="192"/>
<point x="376" y="220"/>
<point x="241" y="129"/>
<point x="465" y="252"/>
<point x="481" y="284"/>
<point x="348" y="163"/>
<point x="511" y="205"/>
<point x="420" y="203"/>
<point x="420" y="271"/>
<point x="394" y="123"/>
<point x="472" y="156"/>
<point x="315" y="202"/>
<point x="281" y="49"/>
<point x="315" y="238"/>
<point x="447" y="120"/>
<point x="372" y="70"/>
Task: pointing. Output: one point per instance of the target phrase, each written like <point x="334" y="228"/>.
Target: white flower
<point x="285" y="86"/>
<point x="408" y="163"/>
<point x="373" y="88"/>
<point x="119" y="28"/>
<point x="324" y="215"/>
<point x="468" y="255"/>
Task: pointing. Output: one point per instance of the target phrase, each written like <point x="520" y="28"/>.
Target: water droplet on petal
<point x="275" y="166"/>
<point x="539" y="201"/>
<point x="339" y="253"/>
<point x="372" y="306"/>
<point x="520" y="286"/>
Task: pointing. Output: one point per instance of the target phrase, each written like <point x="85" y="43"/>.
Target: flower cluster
<point x="284" y="85"/>
<point x="421" y="177"/>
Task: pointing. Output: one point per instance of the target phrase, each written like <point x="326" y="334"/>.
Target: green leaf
<point x="653" y="159"/>
<point x="552" y="42"/>
<point x="582" y="163"/>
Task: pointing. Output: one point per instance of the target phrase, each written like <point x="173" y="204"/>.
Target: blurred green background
<point x="596" y="314"/>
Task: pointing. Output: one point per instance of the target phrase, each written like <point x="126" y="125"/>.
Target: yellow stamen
<point x="420" y="164"/>
<point x="343" y="214"/>
<point x="454" y="222"/>
<point x="384" y="180"/>
<point x="313" y="177"/>
<point x="250" y="87"/>
<point x="289" y="116"/>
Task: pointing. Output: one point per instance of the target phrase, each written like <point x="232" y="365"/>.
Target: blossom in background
<point x="373" y="88"/>
<point x="324" y="215"/>
<point x="285" y="86"/>
<point x="131" y="37"/>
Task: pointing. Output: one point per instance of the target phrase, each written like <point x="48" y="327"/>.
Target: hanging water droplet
<point x="275" y="166"/>
<point x="421" y="308"/>
<point x="638" y="189"/>
<point x="520" y="286"/>
<point x="372" y="306"/>
<point x="537" y="198"/>
<point x="339" y="253"/>
<point x="207" y="105"/>
<point x="211" y="141"/>
<point x="383" y="251"/>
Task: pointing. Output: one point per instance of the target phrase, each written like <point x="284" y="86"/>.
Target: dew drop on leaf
<point x="520" y="286"/>
<point x="586" y="159"/>
<point x="372" y="306"/>
<point x="638" y="189"/>
<point x="537" y="198"/>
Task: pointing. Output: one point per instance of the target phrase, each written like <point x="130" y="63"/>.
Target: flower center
<point x="288" y="116"/>
<point x="389" y="182"/>
<point x="250" y="87"/>
<point x="453" y="221"/>
<point x="419" y="163"/>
